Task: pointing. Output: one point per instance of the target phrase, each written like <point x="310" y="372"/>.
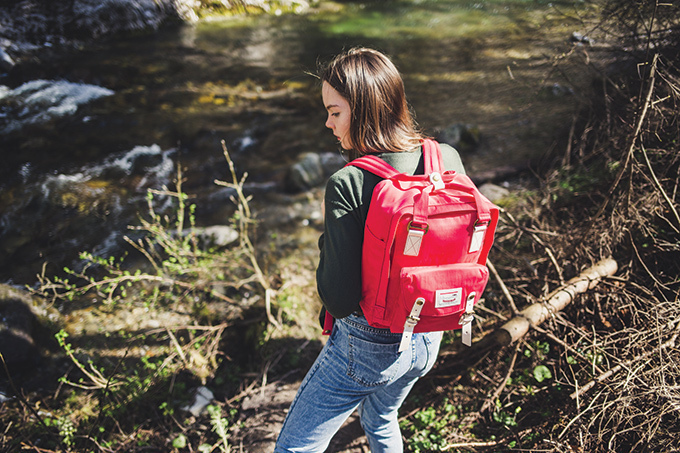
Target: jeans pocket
<point x="372" y="364"/>
<point x="432" y="343"/>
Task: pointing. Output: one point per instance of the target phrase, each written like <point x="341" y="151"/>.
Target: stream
<point x="83" y="136"/>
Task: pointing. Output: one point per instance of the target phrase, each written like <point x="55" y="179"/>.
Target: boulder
<point x="217" y="235"/>
<point x="493" y="192"/>
<point x="306" y="173"/>
<point x="312" y="170"/>
<point x="581" y="39"/>
<point x="22" y="325"/>
<point x="464" y="137"/>
<point x="332" y="162"/>
<point x="6" y="62"/>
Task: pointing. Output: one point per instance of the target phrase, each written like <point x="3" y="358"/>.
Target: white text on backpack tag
<point x="477" y="238"/>
<point x="467" y="318"/>
<point x="410" y="324"/>
<point x="448" y="297"/>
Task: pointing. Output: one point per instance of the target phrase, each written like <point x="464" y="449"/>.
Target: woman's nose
<point x="329" y="123"/>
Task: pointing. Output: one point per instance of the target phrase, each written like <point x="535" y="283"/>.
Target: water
<point x="115" y="117"/>
<point x="40" y="101"/>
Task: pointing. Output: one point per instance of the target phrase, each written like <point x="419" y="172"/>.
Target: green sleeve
<point x="338" y="275"/>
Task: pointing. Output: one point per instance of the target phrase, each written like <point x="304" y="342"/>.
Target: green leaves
<point x="180" y="441"/>
<point x="541" y="373"/>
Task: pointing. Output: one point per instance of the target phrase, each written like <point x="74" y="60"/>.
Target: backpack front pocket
<point x="445" y="290"/>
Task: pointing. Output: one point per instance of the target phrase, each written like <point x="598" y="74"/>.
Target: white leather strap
<point x="413" y="241"/>
<point x="467" y="318"/>
<point x="410" y="324"/>
<point x="477" y="239"/>
<point x="436" y="180"/>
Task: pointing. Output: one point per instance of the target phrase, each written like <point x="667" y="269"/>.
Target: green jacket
<point x="347" y="198"/>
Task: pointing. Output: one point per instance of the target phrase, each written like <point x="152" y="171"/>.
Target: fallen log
<point x="534" y="315"/>
<point x="537" y="313"/>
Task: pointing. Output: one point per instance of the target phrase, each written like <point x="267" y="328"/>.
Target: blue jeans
<point x="359" y="367"/>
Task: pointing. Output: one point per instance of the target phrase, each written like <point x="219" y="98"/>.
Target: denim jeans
<point x="359" y="368"/>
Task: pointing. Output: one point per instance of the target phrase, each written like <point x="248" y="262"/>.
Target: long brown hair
<point x="371" y="84"/>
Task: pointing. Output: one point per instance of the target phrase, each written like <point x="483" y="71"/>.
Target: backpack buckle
<point x="424" y="229"/>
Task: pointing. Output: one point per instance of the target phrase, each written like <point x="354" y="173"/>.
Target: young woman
<point x="360" y="366"/>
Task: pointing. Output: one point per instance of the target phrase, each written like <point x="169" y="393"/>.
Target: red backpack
<point x="426" y="242"/>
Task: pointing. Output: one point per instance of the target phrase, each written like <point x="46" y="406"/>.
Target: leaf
<point x="541" y="373"/>
<point x="180" y="441"/>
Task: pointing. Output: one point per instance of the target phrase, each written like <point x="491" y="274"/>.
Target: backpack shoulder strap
<point x="375" y="165"/>
<point x="432" y="157"/>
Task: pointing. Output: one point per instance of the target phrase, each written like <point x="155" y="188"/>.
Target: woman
<point x="360" y="366"/>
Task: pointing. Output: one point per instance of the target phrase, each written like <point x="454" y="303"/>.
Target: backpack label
<point x="448" y="297"/>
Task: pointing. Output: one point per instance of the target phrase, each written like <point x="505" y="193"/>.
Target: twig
<point x="500" y="388"/>
<point x="244" y="219"/>
<point x="631" y="146"/>
<point x="612" y="371"/>
<point x="650" y="273"/>
<point x="504" y="288"/>
<point x="532" y="233"/>
<point x="580" y="414"/>
<point x="174" y="341"/>
<point x="481" y="307"/>
<point x="566" y="346"/>
<point x="558" y="269"/>
<point x="251" y="388"/>
<point x="566" y="160"/>
<point x="491" y="443"/>
<point x="139" y="246"/>
<point x="19" y="395"/>
<point x="660" y="188"/>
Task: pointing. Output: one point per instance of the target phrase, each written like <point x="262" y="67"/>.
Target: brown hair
<point x="371" y="84"/>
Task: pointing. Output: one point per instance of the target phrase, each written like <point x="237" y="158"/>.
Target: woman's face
<point x="339" y="114"/>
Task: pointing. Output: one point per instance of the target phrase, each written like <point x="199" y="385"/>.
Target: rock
<point x="21" y="320"/>
<point x="312" y="169"/>
<point x="306" y="173"/>
<point x="580" y="38"/>
<point x="332" y="162"/>
<point x="216" y="235"/>
<point x="40" y="101"/>
<point x="6" y="62"/>
<point x="98" y="18"/>
<point x="493" y="192"/>
<point x="16" y="329"/>
<point x="464" y="137"/>
<point x="202" y="398"/>
<point x="558" y="91"/>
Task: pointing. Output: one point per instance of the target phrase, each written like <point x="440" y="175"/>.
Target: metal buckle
<point x="413" y="227"/>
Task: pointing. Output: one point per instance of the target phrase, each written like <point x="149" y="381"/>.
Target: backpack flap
<point x="446" y="295"/>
